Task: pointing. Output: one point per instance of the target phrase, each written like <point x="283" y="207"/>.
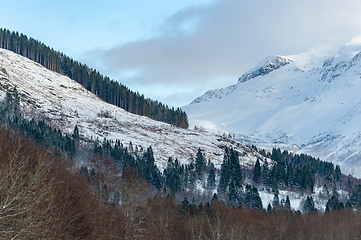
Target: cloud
<point x="202" y="48"/>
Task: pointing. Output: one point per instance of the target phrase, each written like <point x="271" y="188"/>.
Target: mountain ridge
<point x="64" y="103"/>
<point x="312" y="102"/>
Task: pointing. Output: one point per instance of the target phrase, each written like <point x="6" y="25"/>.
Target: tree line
<point x="112" y="158"/>
<point x="41" y="198"/>
<point x="106" y="89"/>
<point x="294" y="170"/>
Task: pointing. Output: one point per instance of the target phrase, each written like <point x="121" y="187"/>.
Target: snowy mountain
<point x="63" y="103"/>
<point x="309" y="103"/>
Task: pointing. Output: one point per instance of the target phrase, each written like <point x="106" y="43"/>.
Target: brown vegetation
<point x="40" y="198"/>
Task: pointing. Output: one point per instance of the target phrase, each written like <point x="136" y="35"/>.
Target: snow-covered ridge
<point x="310" y="100"/>
<point x="64" y="103"/>
<point x="263" y="68"/>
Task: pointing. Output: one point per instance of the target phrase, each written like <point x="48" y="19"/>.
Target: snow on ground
<point x="309" y="103"/>
<point x="63" y="103"/>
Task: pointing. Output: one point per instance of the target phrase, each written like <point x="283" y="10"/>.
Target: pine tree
<point x="76" y="132"/>
<point x="224" y="178"/>
<point x="200" y="163"/>
<point x="232" y="195"/>
<point x="265" y="174"/>
<point x="287" y="202"/>
<point x="252" y="198"/>
<point x="309" y="205"/>
<point x="257" y="175"/>
<point x="334" y="204"/>
<point x="276" y="201"/>
<point x="257" y="201"/>
<point x="337" y="173"/>
<point x="234" y="168"/>
<point x="211" y="180"/>
<point x="269" y="208"/>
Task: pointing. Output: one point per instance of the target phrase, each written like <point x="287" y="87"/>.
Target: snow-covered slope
<point x="63" y="103"/>
<point x="311" y="100"/>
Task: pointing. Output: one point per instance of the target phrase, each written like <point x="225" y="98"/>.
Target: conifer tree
<point x="265" y="174"/>
<point x="76" y="132"/>
<point x="309" y="205"/>
<point x="334" y="204"/>
<point x="257" y="175"/>
<point x="338" y="173"/>
<point x="232" y="195"/>
<point x="276" y="201"/>
<point x="252" y="198"/>
<point x="269" y="208"/>
<point x="287" y="202"/>
<point x="224" y="178"/>
<point x="200" y="163"/>
<point x="211" y="180"/>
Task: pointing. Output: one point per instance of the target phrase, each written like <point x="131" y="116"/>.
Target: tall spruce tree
<point x="257" y="174"/>
<point x="224" y="178"/>
<point x="309" y="205"/>
<point x="211" y="179"/>
<point x="200" y="163"/>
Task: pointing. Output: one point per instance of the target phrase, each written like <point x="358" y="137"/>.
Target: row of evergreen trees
<point x="229" y="180"/>
<point x="108" y="90"/>
<point x="178" y="177"/>
<point x="291" y="170"/>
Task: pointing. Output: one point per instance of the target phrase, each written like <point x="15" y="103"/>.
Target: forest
<point x="121" y="194"/>
<point x="108" y="90"/>
<point x="42" y="196"/>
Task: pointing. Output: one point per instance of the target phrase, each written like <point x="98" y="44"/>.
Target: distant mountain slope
<point x="311" y="100"/>
<point x="64" y="103"/>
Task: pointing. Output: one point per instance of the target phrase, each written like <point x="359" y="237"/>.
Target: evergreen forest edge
<point x="232" y="183"/>
<point x="106" y="89"/>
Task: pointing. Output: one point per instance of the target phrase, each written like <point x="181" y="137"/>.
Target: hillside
<point x="64" y="103"/>
<point x="102" y="86"/>
<point x="306" y="103"/>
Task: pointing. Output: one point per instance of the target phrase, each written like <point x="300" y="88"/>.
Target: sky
<point x="174" y="51"/>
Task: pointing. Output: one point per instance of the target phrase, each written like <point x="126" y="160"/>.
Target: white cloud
<point x="199" y="45"/>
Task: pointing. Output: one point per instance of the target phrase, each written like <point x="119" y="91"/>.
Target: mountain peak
<point x="314" y="104"/>
<point x="265" y="67"/>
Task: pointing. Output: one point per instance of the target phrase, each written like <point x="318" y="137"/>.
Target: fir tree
<point x="200" y="163"/>
<point x="211" y="180"/>
<point x="276" y="201"/>
<point x="224" y="178"/>
<point x="252" y="198"/>
<point x="309" y="205"/>
<point x="232" y="195"/>
<point x="76" y="132"/>
<point x="334" y="204"/>
<point x="269" y="208"/>
<point x="265" y="174"/>
<point x="338" y="173"/>
<point x="287" y="202"/>
<point x="257" y="175"/>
